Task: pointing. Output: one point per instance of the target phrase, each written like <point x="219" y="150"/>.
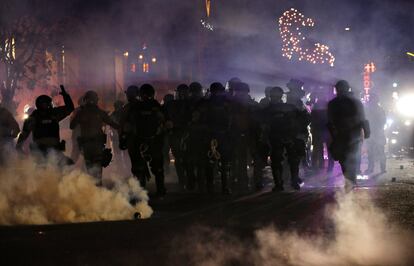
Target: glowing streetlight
<point x="140" y="56"/>
<point x="126" y="54"/>
<point x="395" y="85"/>
<point x="154" y="60"/>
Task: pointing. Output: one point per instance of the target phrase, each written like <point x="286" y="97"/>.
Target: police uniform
<point x="178" y="113"/>
<point x="283" y="125"/>
<point x="198" y="145"/>
<point x="320" y="135"/>
<point x="91" y="119"/>
<point x="217" y="119"/>
<point x="142" y="124"/>
<point x="44" y="126"/>
<point x="348" y="126"/>
<point x="243" y="133"/>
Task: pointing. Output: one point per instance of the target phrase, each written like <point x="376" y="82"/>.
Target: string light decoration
<point x="205" y="22"/>
<point x="207" y="25"/>
<point x="290" y="25"/>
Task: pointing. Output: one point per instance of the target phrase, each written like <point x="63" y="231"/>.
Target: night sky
<point x="246" y="38"/>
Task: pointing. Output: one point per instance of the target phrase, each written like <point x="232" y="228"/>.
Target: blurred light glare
<point x="140" y="56"/>
<point x="395" y="95"/>
<point x="362" y="177"/>
<point x="26" y="108"/>
<point x="347" y="28"/>
<point x="154" y="59"/>
<point x="405" y="105"/>
<point x="407" y="123"/>
<point x="394" y="141"/>
<point x="395" y="85"/>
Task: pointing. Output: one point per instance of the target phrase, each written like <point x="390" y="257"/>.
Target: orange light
<point x="145" y="67"/>
<point x="208" y="5"/>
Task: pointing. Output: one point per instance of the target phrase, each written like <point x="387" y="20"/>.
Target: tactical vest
<point x="46" y="126"/>
<point x="283" y="120"/>
<point x="148" y="122"/>
<point x="218" y="115"/>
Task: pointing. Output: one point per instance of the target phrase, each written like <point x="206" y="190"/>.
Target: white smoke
<point x="45" y="194"/>
<point x="362" y="235"/>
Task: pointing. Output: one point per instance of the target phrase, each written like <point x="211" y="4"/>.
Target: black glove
<point x="62" y="90"/>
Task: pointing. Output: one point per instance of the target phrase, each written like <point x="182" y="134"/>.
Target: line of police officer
<point x="220" y="133"/>
<point x="227" y="131"/>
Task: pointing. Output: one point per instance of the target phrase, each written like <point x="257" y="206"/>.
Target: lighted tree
<point x="24" y="40"/>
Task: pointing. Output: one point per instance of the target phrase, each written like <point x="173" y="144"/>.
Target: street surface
<point x="194" y="229"/>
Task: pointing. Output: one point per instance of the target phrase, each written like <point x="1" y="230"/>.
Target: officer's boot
<point x="277" y="176"/>
<point x="258" y="173"/>
<point x="225" y="173"/>
<point x="191" y="178"/>
<point x="209" y="175"/>
<point x="296" y="182"/>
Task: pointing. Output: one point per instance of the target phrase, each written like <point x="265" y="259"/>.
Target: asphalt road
<point x="191" y="229"/>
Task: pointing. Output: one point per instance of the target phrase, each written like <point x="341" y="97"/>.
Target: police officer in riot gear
<point x="127" y="122"/>
<point x="91" y="119"/>
<point x="282" y="126"/>
<point x="197" y="143"/>
<point x="242" y="129"/>
<point x="195" y="91"/>
<point x="217" y="119"/>
<point x="231" y="86"/>
<point x="264" y="102"/>
<point x="347" y="126"/>
<point x="295" y="97"/>
<point x="43" y="123"/>
<point x="128" y="132"/>
<point x="9" y="129"/>
<point x="377" y="119"/>
<point x="320" y="133"/>
<point x="178" y="115"/>
<point x="261" y="146"/>
<point x="143" y="122"/>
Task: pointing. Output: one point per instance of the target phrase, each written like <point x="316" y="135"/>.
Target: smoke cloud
<point x="44" y="194"/>
<point x="361" y="235"/>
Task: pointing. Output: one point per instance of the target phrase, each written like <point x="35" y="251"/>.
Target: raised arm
<point x="63" y="111"/>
